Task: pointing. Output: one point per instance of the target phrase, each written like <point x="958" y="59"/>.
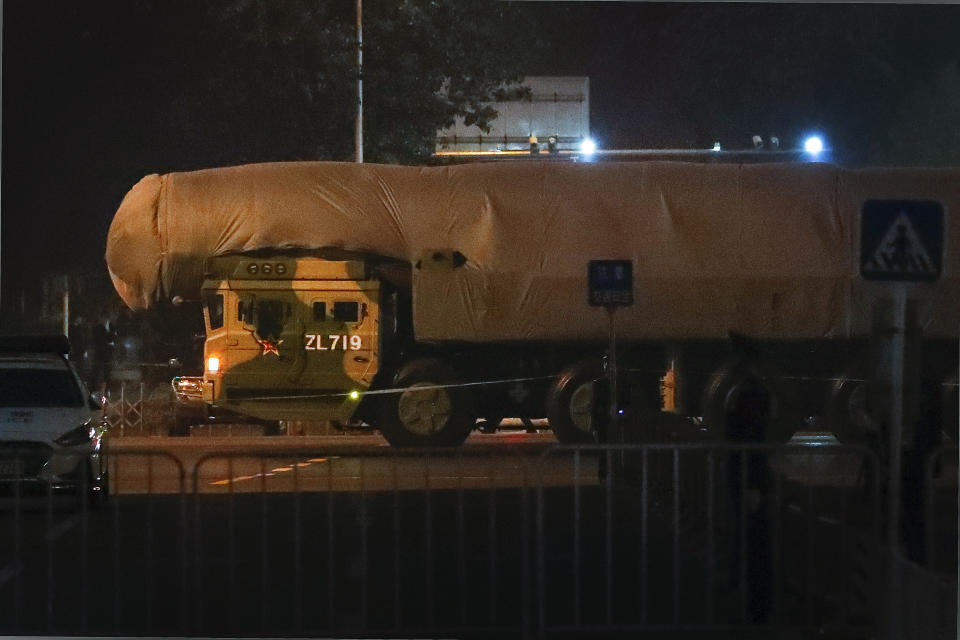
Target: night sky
<point x="88" y="86"/>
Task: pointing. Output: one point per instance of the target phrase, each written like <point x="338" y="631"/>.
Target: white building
<point x="557" y="106"/>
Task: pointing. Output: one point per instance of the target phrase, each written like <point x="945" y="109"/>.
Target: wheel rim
<point x="581" y="407"/>
<point x="857" y="408"/>
<point x="425" y="411"/>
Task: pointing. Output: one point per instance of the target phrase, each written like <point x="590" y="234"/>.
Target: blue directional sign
<point x="901" y="240"/>
<point x="610" y="282"/>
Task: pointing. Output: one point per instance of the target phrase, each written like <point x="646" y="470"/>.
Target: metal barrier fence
<point x="713" y="540"/>
<point x="928" y="609"/>
<point x="928" y="573"/>
<point x="940" y="509"/>
<point x="137" y="409"/>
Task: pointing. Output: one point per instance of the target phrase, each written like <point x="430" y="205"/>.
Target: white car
<point x="51" y="430"/>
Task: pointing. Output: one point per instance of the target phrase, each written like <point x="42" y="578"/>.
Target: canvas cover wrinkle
<point x="767" y="250"/>
<point x="392" y="206"/>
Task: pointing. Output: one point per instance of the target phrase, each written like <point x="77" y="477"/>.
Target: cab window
<point x="214" y="305"/>
<point x="270" y="317"/>
<point x="319" y="311"/>
<point x="346" y="311"/>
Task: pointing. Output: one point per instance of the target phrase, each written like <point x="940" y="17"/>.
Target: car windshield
<point x="39" y="388"/>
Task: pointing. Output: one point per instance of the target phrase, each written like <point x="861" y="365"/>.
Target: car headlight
<point x="83" y="434"/>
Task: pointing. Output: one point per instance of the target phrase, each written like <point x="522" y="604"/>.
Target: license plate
<point x="10" y="468"/>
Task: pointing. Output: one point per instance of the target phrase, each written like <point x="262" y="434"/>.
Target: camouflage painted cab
<point x="297" y="337"/>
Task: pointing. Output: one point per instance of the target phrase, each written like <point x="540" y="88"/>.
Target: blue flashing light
<point x="813" y="145"/>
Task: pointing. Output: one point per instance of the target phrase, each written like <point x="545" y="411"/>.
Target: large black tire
<point x="727" y="391"/>
<point x="846" y="409"/>
<point x="570" y="403"/>
<point x="431" y="411"/>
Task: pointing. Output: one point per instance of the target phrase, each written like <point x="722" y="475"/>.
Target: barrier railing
<point x="723" y="538"/>
<point x="69" y="565"/>
<point x="491" y="541"/>
<point x="940" y="508"/>
<point x="136" y="409"/>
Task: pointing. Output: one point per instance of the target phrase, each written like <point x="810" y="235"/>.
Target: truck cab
<point x="292" y="338"/>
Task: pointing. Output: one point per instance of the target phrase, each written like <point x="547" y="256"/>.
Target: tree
<point x="276" y="79"/>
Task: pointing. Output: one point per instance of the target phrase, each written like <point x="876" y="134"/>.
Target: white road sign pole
<point x="895" y="444"/>
<point x="358" y="128"/>
<point x="612" y="374"/>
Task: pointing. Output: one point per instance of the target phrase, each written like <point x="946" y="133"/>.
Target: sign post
<point x="611" y="286"/>
<point x="901" y="241"/>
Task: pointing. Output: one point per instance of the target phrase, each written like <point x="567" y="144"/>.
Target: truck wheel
<point x="570" y="403"/>
<point x="846" y="409"/>
<point x="430" y="411"/>
<point x="739" y="379"/>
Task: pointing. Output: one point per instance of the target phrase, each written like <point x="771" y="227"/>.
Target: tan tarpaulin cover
<point x="768" y="250"/>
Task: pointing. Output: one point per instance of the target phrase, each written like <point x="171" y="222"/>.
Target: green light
<point x="354" y="395"/>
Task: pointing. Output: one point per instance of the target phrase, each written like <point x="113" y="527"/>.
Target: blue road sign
<point x="610" y="282"/>
<point x="901" y="240"/>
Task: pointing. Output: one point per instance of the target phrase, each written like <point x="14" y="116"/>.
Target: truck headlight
<point x="213" y="364"/>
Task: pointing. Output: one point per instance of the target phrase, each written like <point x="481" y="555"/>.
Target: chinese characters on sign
<point x="610" y="283"/>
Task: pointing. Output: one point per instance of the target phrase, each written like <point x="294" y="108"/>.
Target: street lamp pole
<point x="1" y="140"/>
<point x="358" y="128"/>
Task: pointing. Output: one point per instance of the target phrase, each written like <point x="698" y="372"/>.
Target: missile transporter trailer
<point x="418" y="301"/>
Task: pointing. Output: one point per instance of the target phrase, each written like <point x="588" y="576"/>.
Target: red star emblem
<point x="270" y="347"/>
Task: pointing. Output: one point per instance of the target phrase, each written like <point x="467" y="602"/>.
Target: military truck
<point x="417" y="300"/>
<point x="303" y="336"/>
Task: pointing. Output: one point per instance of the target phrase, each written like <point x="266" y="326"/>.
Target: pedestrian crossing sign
<point x="901" y="240"/>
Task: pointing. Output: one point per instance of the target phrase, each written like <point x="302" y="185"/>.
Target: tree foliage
<point x="276" y="79"/>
